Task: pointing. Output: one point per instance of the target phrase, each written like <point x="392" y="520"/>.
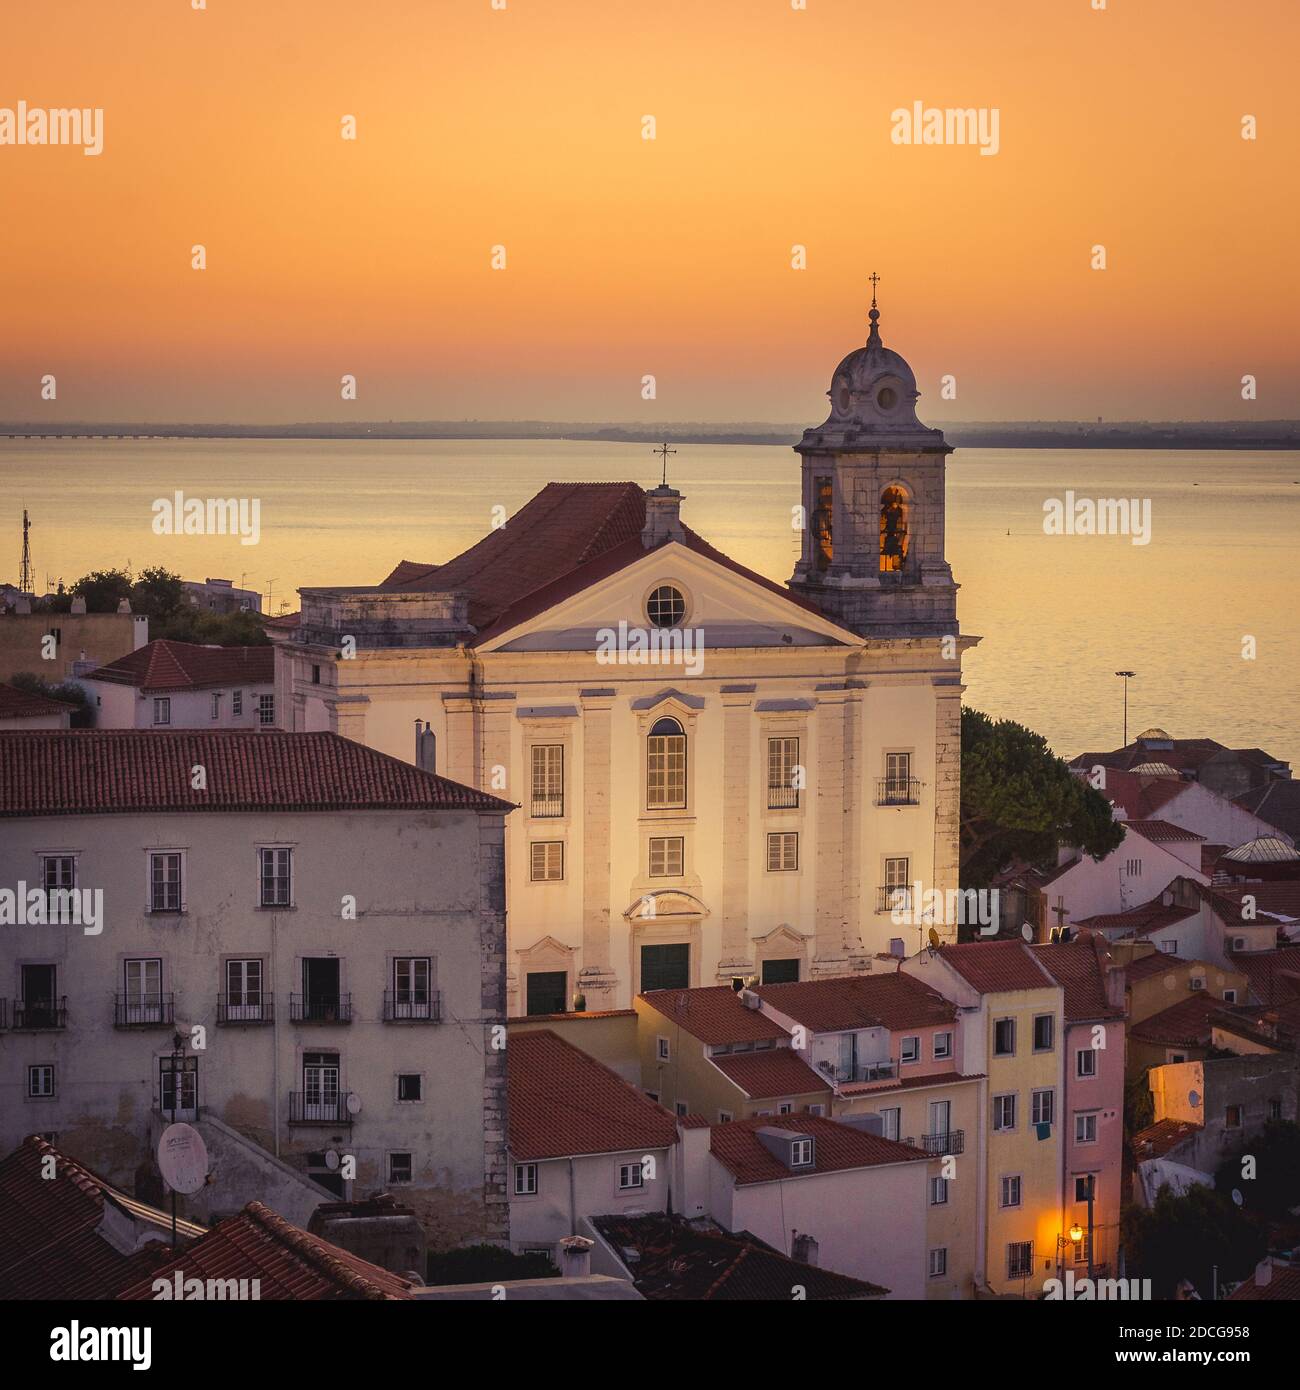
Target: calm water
<point x="1058" y="615"/>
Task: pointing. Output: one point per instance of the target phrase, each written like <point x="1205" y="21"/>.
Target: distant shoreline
<point x="1267" y="435"/>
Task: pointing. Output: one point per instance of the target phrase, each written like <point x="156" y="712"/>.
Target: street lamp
<point x="1127" y="675"/>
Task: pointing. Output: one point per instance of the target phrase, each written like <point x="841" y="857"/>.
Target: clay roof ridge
<point x="312" y="1252"/>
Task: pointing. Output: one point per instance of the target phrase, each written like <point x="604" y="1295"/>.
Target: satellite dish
<point x="1237" y="1197"/>
<point x="1027" y="932"/>
<point x="331" y="1159"/>
<point x="183" y="1158"/>
<point x="934" y="939"/>
<point x="1194" y="1099"/>
<point x="354" y="1103"/>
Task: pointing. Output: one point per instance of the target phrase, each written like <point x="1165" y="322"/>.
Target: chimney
<point x="426" y="747"/>
<point x="575" y="1257"/>
<point x="1264" y="1273"/>
<point x="124" y="605"/>
<point x="78" y="604"/>
<point x="663" y="521"/>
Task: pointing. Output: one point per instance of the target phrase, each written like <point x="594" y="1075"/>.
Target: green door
<point x="546" y="992"/>
<point x="781" y="972"/>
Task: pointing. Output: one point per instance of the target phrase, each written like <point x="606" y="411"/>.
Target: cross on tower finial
<point x="873" y="338"/>
<point x="875" y="280"/>
<point x="665" y="451"/>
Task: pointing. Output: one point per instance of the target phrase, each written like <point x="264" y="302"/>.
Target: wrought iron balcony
<point x="399" y="1007"/>
<point x="862" y="1071"/>
<point x="898" y="791"/>
<point x="953" y="1142"/>
<point x="144" y="1010"/>
<point x="320" y="1008"/>
<point x="241" y="1008"/>
<point x="319" y="1108"/>
<point x="40" y="1015"/>
<point x="894" y="898"/>
<point x="548" y="807"/>
<point x="781" y="798"/>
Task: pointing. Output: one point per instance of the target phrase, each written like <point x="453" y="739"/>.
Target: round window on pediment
<point x="886" y="398"/>
<point x="666" y="606"/>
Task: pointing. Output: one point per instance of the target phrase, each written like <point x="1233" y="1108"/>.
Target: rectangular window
<point x="682" y="1109"/>
<point x="399" y="1167"/>
<point x="525" y="1179"/>
<point x="236" y="702"/>
<point x="1043" y="1032"/>
<point x="942" y="1046"/>
<point x="892" y="1118"/>
<point x="666" y="768"/>
<point x="1274" y="1109"/>
<point x="1083" y="1184"/>
<point x="663" y="1049"/>
<point x="1231" y="1118"/>
<point x="410" y="1086"/>
<point x="897" y="891"/>
<point x="40" y="1081"/>
<point x="547" y="861"/>
<point x="165" y="883"/>
<point x="216" y="705"/>
<point x="315" y="674"/>
<point x="178" y="1087"/>
<point x="1085" y="1129"/>
<point x="162" y="710"/>
<point x="909" y="1050"/>
<point x="548" y="779"/>
<point x="785" y="1108"/>
<point x="266" y="709"/>
<point x="275" y="868"/>
<point x="1020" y="1259"/>
<point x="667" y="856"/>
<point x="412" y="986"/>
<point x="1043" y="1107"/>
<point x="938" y="1192"/>
<point x="801" y="1153"/>
<point x="1004" y="1037"/>
<point x="142" y="991"/>
<point x="725" y="1117"/>
<point x="1085" y="1062"/>
<point x="782" y="852"/>
<point x="1010" y="1196"/>
<point x="1229" y="996"/>
<point x="938" y="1262"/>
<point x="244" y="990"/>
<point x="58" y="873"/>
<point x="897" y="789"/>
<point x="630" y="1177"/>
<point x="1004" y="1112"/>
<point x="782" y="781"/>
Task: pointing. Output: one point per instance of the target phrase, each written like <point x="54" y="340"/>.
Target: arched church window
<point x="894" y="510"/>
<point x="823" y="549"/>
<point x="665" y="772"/>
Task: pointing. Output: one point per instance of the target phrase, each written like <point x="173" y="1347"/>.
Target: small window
<point x="891" y="1122"/>
<point x="631" y="1177"/>
<point x="938" y="1192"/>
<point x="58" y="874"/>
<point x="801" y="1153"/>
<point x="1168" y="947"/>
<point x="275" y="877"/>
<point x="1010" y="1196"/>
<point x="1083" y="1185"/>
<point x="666" y="607"/>
<point x="547" y="863"/>
<point x="938" y="1262"/>
<point x="1176" y="1057"/>
<point x="547" y="775"/>
<point x="909" y="1050"/>
<point x="40" y="1081"/>
<point x="783" y="852"/>
<point x="315" y="674"/>
<point x="1085" y="1062"/>
<point x="165" y="883"/>
<point x="1043" y="1107"/>
<point x="162" y="710"/>
<point x="663" y="1049"/>
<point x="525" y="1179"/>
<point x="1043" y="1032"/>
<point x="725" y="1117"/>
<point x="1004" y="1037"/>
<point x="1229" y="996"/>
<point x="1085" y="1129"/>
<point x="942" y="1046"/>
<point x="399" y="1167"/>
<point x="216" y="705"/>
<point x="237" y="703"/>
<point x="818" y="1109"/>
<point x="1231" y="1117"/>
<point x="681" y="1109"/>
<point x="1004" y="1112"/>
<point x="667" y="855"/>
<point x="1275" y="1108"/>
<point x="410" y="1086"/>
<point x="266" y="709"/>
<point x="1020" y="1259"/>
<point x="785" y="1108"/>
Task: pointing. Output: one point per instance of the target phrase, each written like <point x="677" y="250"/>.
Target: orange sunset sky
<point x="627" y="257"/>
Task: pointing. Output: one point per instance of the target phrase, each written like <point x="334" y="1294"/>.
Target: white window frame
<point x="525" y="1180"/>
<point x="661" y="858"/>
<point x="1081" y="1119"/>
<point x="546" y="779"/>
<point x="663" y="1049"/>
<point x="551" y="857"/>
<point x="388" y="1165"/>
<point x="276" y="876"/>
<point x="398" y="1097"/>
<point x="938" y="1192"/>
<point x="216" y="705"/>
<point x="1035" y="1097"/>
<point x="236" y="704"/>
<point x="938" y="1267"/>
<point x="149" y="856"/>
<point x="162" y="704"/>
<point x="1012" y="1051"/>
<point x="782" y="759"/>
<point x="42" y="1071"/>
<point x="265" y="711"/>
<point x="666" y="768"/>
<point x="903" y="1058"/>
<point x="1033" y="1034"/>
<point x="1085" y="1072"/>
<point x="631" y="1176"/>
<point x="947" y="1046"/>
<point x="1004" y="1097"/>
<point x="1011" y="1184"/>
<point x="801" y="1153"/>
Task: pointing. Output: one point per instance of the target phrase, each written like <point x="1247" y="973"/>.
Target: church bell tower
<point x="873" y="496"/>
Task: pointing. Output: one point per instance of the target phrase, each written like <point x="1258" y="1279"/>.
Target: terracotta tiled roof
<point x="22" y="704"/>
<point x="1076" y="967"/>
<point x="282" y="622"/>
<point x="107" y="772"/>
<point x="836" y="1148"/>
<point x="1140" y="795"/>
<point x="1190" y="1022"/>
<point x="1275" y="900"/>
<point x="910" y="1083"/>
<point x="890" y="1000"/>
<point x="671" y="1259"/>
<point x="1157" y="963"/>
<point x="996" y="967"/>
<point x="50" y="1243"/>
<point x="289" y="1263"/>
<point x="1138" y="921"/>
<point x="766" y="1075"/>
<point x="713" y="1014"/>
<point x="565" y="539"/>
<point x="1161" y="832"/>
<point x="573" y="1016"/>
<point x="1274" y="976"/>
<point x="1283" y="1285"/>
<point x="1277" y="802"/>
<point x="164" y="665"/>
<point x="1156" y="1140"/>
<point x="563" y="1102"/>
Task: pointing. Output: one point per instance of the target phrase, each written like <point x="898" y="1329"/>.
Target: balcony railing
<point x="320" y="1008"/>
<point x="782" y="798"/>
<point x="401" y="1008"/>
<point x="953" y="1142"/>
<point x="240" y="1008"/>
<point x="40" y="1014"/>
<point x="890" y="899"/>
<point x="863" y="1071"/>
<point x="144" y="1010"/>
<point x="548" y="807"/>
<point x="898" y="791"/>
<point x="319" y="1108"/>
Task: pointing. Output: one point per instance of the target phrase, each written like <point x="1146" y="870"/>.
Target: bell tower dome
<point x="873" y="498"/>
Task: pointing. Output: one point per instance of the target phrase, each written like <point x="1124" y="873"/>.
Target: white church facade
<point x="717" y="775"/>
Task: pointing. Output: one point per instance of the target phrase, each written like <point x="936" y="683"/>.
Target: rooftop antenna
<point x="662" y="449"/>
<point x="26" y="571"/>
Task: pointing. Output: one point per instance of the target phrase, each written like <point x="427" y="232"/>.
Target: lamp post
<point x="1127" y="675"/>
<point x="178" y="1062"/>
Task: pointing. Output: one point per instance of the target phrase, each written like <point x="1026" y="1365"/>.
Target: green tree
<point x="1139" y="1108"/>
<point x="68" y="692"/>
<point x="103" y="590"/>
<point x="1274" y="1190"/>
<point x="157" y="593"/>
<point x="482" y="1264"/>
<point x="1020" y="801"/>
<point x="192" y="624"/>
<point x="1186" y="1238"/>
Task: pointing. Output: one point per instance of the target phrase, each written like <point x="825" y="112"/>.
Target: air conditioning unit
<point x="750" y="1000"/>
<point x="1196" y="983"/>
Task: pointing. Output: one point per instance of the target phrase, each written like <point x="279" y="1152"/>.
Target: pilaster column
<point x="736" y="950"/>
<point x="947" y="789"/>
<point x="597" y="978"/>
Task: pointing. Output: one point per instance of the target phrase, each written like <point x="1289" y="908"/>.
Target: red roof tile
<point x="1138" y="921"/>
<point x="766" y="1075"/>
<point x="108" y="772"/>
<point x="1275" y="900"/>
<point x="1283" y="1285"/>
<point x="890" y="1000"/>
<point x="837" y="1148"/>
<point x="1157" y="963"/>
<point x="1076" y="966"/>
<point x="1140" y="796"/>
<point x="713" y="1014"/>
<point x="996" y="967"/>
<point x="1274" y="976"/>
<point x="289" y="1263"/>
<point x="1161" y="832"/>
<point x="166" y="665"/>
<point x="1156" y="1140"/>
<point x="22" y="704"/>
<point x="563" y="1102"/>
<point x="1190" y="1022"/>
